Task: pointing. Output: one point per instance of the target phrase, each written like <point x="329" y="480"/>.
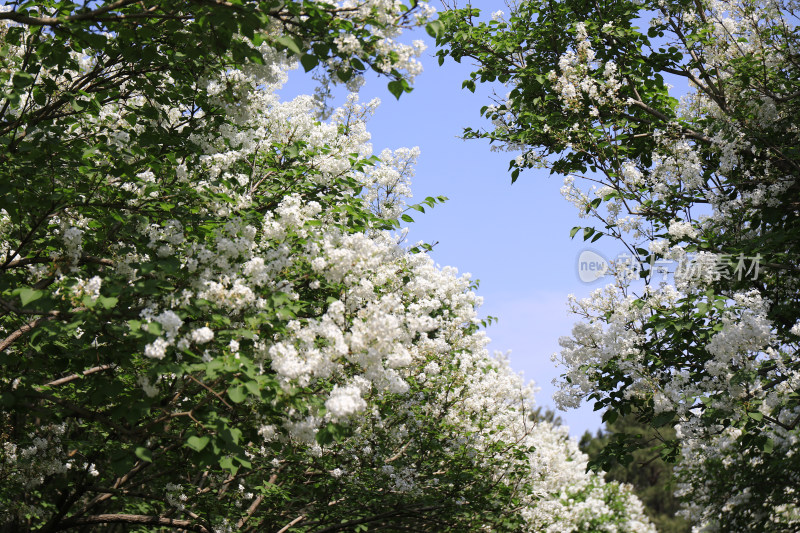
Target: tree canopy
<point x="703" y="184"/>
<point x="208" y="322"/>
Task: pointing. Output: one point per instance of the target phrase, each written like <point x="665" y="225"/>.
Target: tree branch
<point x="132" y="519"/>
<point x="8" y="341"/>
<point x="250" y="510"/>
<point x="55" y="21"/>
<point x="285" y="528"/>
<point x="43" y="260"/>
<point x="73" y="377"/>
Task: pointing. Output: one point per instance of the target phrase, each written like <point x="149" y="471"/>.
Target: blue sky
<point x="513" y="238"/>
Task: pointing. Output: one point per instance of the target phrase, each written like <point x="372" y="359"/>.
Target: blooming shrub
<point x="706" y="183"/>
<point x="208" y="323"/>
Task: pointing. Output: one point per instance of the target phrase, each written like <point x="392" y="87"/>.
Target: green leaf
<point x="406" y="218"/>
<point x="309" y="61"/>
<point x="28" y="295"/>
<point x="610" y="416"/>
<point x="663" y="419"/>
<point x="290" y="43"/>
<point x="344" y="74"/>
<point x="237" y="393"/>
<point x="253" y="388"/>
<point x="327" y="435"/>
<point x="144" y="454"/>
<point x="768" y="446"/>
<point x="396" y="88"/>
<point x="22" y="80"/>
<point x="357" y="64"/>
<point x="435" y="28"/>
<point x="574" y="231"/>
<point x="756" y="416"/>
<point x="108" y="302"/>
<point x="197" y="443"/>
<point x="226" y="463"/>
<point x="77" y="105"/>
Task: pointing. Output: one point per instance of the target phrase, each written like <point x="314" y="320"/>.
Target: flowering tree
<point x="207" y="323"/>
<point x="707" y="182"/>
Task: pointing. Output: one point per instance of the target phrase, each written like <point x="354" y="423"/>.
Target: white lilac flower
<point x="345" y="401"/>
<point x="170" y="322"/>
<point x="156" y="349"/>
<point x="202" y="335"/>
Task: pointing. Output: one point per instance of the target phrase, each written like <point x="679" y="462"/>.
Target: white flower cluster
<point x="345" y="401"/>
<point x="90" y="288"/>
<point x="573" y="82"/>
<point x="43" y="455"/>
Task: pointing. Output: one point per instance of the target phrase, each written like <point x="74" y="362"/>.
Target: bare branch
<point x="132" y="519"/>
<point x="297" y="520"/>
<point x="250" y="510"/>
<point x="209" y="389"/>
<point x="73" y="377"/>
<point x="44" y="260"/>
<point x="8" y="341"/>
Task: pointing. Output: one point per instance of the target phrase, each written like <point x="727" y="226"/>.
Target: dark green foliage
<point x="651" y="477"/>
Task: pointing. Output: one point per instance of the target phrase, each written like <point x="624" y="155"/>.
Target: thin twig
<point x="73" y="377"/>
<point x="212" y="391"/>
<point x="297" y="520"/>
